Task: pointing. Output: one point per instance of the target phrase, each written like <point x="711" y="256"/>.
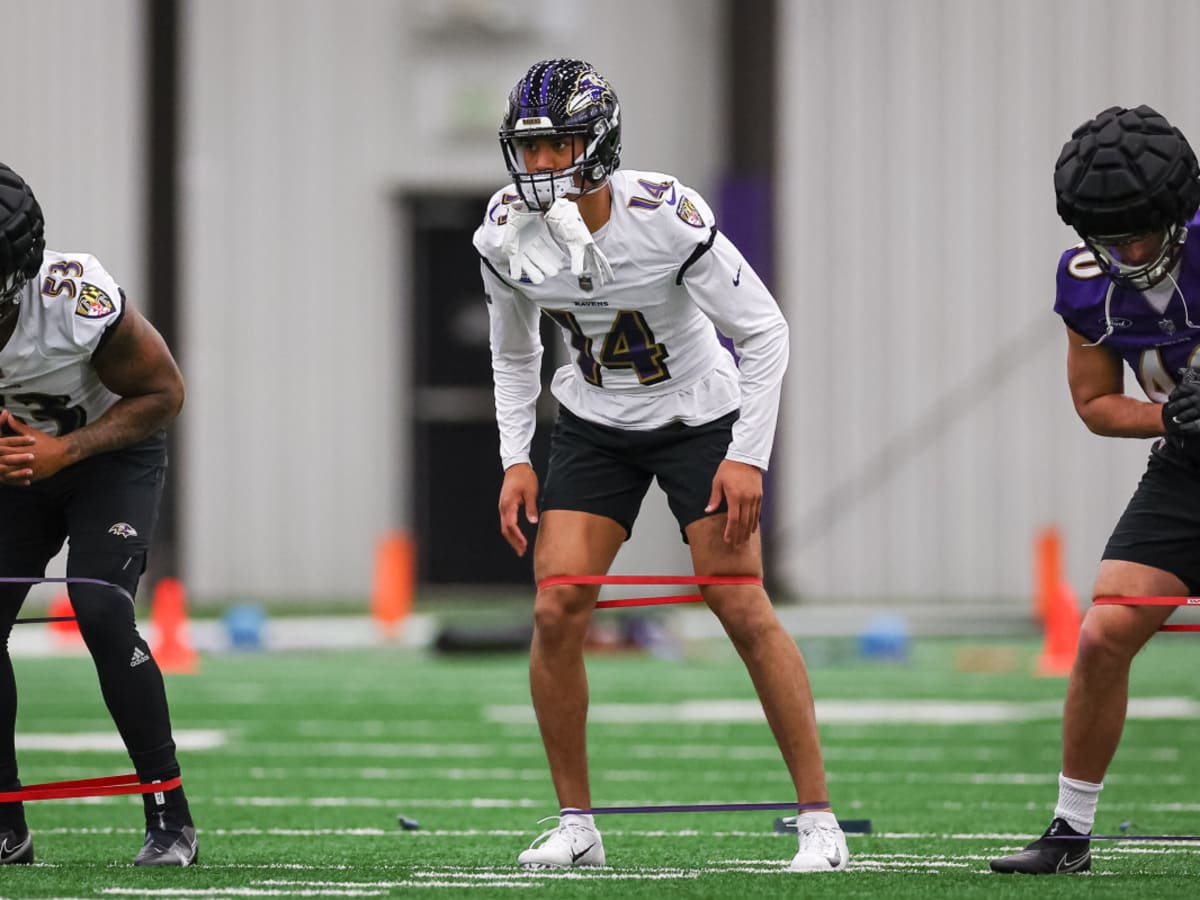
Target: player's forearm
<point x="129" y="420"/>
<point x="1119" y="415"/>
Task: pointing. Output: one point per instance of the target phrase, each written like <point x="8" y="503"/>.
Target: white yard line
<point x="185" y="739"/>
<point x="855" y="712"/>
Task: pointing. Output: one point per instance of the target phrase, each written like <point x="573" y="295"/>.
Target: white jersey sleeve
<point x="46" y="374"/>
<point x="515" y="343"/>
<point x="730" y="293"/>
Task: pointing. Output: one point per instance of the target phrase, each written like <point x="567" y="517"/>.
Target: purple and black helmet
<point x="562" y="98"/>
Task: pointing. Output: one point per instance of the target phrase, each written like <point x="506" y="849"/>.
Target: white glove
<point x="568" y="228"/>
<point x="529" y="249"/>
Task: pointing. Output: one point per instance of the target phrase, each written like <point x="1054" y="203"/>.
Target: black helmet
<point x="22" y="240"/>
<point x="1125" y="175"/>
<point x="562" y="97"/>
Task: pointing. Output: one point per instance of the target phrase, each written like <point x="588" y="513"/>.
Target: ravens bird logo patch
<point x="93" y="303"/>
<point x="688" y="212"/>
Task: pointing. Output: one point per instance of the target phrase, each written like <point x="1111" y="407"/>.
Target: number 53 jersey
<point x="642" y="349"/>
<point x="46" y="375"/>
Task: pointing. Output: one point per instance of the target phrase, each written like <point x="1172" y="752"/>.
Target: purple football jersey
<point x="1155" y="345"/>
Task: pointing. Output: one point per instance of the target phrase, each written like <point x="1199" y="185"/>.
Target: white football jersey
<point x="643" y="349"/>
<point x="46" y="375"/>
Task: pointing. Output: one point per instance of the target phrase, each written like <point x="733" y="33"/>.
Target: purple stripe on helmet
<point x="543" y="95"/>
<point x="525" y="93"/>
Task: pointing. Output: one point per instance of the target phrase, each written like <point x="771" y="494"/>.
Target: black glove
<point x="1181" y="412"/>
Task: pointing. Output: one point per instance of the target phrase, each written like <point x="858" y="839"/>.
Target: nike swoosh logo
<point x="1066" y="864"/>
<point x="576" y="857"/>
<point x="7" y="852"/>
<point x="737" y="279"/>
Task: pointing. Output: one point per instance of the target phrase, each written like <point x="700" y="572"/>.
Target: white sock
<point x="570" y="814"/>
<point x="1077" y="802"/>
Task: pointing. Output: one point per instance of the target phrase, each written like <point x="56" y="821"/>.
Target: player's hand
<point x="520" y="488"/>
<point x="568" y="228"/>
<point x="529" y="251"/>
<point x="741" y="486"/>
<point x="16" y="457"/>
<point x="34" y="455"/>
<point x="1181" y="412"/>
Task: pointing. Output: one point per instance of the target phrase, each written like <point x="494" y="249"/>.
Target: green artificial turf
<point x="321" y="752"/>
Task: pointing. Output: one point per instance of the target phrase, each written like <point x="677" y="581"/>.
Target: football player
<point x="86" y="388"/>
<point x="1129" y="184"/>
<point x="631" y="267"/>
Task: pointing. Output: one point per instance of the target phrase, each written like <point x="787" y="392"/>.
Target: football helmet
<point x="1124" y="178"/>
<point x="562" y="98"/>
<point x="22" y="240"/>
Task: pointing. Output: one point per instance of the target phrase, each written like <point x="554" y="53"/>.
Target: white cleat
<point x="822" y="844"/>
<point x="569" y="845"/>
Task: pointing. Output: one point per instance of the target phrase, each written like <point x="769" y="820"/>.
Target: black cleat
<point x="15" y="849"/>
<point x="1060" y="851"/>
<point x="170" y="846"/>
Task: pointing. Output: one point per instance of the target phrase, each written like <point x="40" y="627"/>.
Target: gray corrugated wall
<point x="929" y="430"/>
<point x="73" y="124"/>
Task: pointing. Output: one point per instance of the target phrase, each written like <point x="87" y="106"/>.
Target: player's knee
<point x="101" y="615"/>
<point x="1107" y="640"/>
<point x="743" y="605"/>
<point x="102" y="610"/>
<point x="561" y="608"/>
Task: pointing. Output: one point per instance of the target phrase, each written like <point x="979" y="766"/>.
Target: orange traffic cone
<point x="172" y="650"/>
<point x="1047" y="571"/>
<point x="1061" y="633"/>
<point x="65" y="633"/>
<point x="392" y="592"/>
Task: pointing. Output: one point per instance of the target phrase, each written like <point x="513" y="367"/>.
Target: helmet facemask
<point x="540" y="189"/>
<point x="10" y="295"/>
<point x="10" y="288"/>
<point x="1140" y="276"/>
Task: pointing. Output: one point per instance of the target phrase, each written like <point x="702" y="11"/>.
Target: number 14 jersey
<point x="642" y="349"/>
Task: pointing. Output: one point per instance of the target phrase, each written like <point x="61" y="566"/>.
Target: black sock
<point x="167" y="809"/>
<point x="12" y="815"/>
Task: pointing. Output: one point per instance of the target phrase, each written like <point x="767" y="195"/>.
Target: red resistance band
<point x="109" y="785"/>
<point x="649" y="579"/>
<point x="1154" y="601"/>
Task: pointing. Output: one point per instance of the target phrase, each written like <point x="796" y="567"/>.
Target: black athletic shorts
<point x="1161" y="525"/>
<point x="105" y="504"/>
<point x="607" y="471"/>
